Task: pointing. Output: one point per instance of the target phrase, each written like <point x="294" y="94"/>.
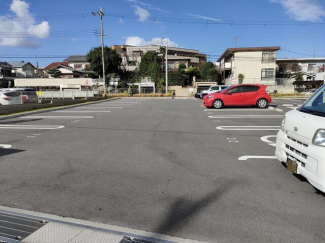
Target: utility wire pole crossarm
<point x="101" y="14"/>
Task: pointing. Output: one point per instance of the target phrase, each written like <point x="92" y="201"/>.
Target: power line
<point x="176" y="20"/>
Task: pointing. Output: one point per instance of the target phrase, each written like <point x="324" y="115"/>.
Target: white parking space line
<point x="31" y="127"/>
<point x="247" y="117"/>
<point x="221" y="110"/>
<point x="79" y="111"/>
<point x="288" y="105"/>
<point x="5" y="146"/>
<point x="37" y="134"/>
<point x="31" y="136"/>
<point x="255" y="157"/>
<point x="249" y="128"/>
<point x="100" y="107"/>
<point x="57" y="117"/>
<point x="266" y="140"/>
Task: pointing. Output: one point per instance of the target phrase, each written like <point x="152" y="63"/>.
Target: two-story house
<point x="24" y="69"/>
<point x="132" y="55"/>
<point x="310" y="68"/>
<point x="257" y="64"/>
<point x="78" y="62"/>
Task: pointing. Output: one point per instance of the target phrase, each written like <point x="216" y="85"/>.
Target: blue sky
<point x="62" y="28"/>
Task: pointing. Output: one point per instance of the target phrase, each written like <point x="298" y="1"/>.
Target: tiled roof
<point x="248" y="49"/>
<point x="19" y="64"/>
<point x="54" y="64"/>
<point x="76" y="58"/>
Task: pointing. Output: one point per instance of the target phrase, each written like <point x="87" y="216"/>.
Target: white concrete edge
<point x="42" y="110"/>
<point x="96" y="226"/>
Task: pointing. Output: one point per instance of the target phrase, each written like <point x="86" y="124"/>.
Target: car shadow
<point x="5" y="152"/>
<point x="19" y="121"/>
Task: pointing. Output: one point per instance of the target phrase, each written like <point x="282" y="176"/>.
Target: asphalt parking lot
<point x="161" y="165"/>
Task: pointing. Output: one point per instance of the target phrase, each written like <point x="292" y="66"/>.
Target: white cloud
<point x="147" y="5"/>
<point x="20" y="29"/>
<point x="138" y="41"/>
<point x="142" y="13"/>
<point x="121" y="21"/>
<point x="73" y="39"/>
<point x="205" y="17"/>
<point x="303" y="10"/>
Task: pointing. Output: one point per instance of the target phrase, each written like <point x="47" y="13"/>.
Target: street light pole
<point x="101" y="14"/>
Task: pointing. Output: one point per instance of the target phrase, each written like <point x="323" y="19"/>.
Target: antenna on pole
<point x="235" y="40"/>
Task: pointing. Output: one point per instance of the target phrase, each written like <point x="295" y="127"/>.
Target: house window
<point x="268" y="57"/>
<point x="282" y="68"/>
<point x="77" y="66"/>
<point x="267" y="74"/>
<point x="171" y="65"/>
<point x="311" y="67"/>
<point x="295" y="67"/>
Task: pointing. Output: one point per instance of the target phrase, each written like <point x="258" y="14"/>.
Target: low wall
<point x="281" y="89"/>
<point x="66" y="94"/>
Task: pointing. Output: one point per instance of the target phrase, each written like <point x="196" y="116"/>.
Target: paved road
<point x="166" y="166"/>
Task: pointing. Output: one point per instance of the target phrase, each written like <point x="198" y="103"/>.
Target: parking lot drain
<point x="18" y="228"/>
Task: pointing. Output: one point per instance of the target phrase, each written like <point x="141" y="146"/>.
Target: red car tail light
<point x="5" y="98"/>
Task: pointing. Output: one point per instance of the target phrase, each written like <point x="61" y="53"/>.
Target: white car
<point x="301" y="141"/>
<point x="10" y="97"/>
<point x="213" y="89"/>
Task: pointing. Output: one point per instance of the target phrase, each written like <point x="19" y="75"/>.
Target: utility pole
<point x="166" y="56"/>
<point x="101" y="14"/>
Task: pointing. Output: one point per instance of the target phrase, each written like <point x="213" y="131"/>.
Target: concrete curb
<point x="99" y="227"/>
<point x="41" y="110"/>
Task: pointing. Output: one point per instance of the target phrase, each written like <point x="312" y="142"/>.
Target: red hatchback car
<point x="239" y="95"/>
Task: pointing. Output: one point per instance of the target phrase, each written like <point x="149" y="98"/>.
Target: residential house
<point x="24" y="69"/>
<point x="78" y="62"/>
<point x="257" y="64"/>
<point x="308" y="67"/>
<point x="6" y="75"/>
<point x="132" y="55"/>
<point x="67" y="71"/>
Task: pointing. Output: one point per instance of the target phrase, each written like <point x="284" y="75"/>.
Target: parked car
<point x="198" y="94"/>
<point x="239" y="95"/>
<point x="309" y="92"/>
<point x="301" y="141"/>
<point x="10" y="97"/>
<point x="213" y="89"/>
<point x="28" y="95"/>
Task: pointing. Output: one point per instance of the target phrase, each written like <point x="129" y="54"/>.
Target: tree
<point x="176" y="79"/>
<point x="181" y="68"/>
<point x="55" y="73"/>
<point x="122" y="84"/>
<point x="241" y="78"/>
<point x="111" y="58"/>
<point x="212" y="74"/>
<point x="204" y="70"/>
<point x="299" y="77"/>
<point x="150" y="64"/>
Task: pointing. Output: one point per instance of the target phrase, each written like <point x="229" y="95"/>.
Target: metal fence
<point x="271" y="82"/>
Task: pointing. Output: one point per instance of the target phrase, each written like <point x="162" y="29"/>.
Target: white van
<point x="213" y="89"/>
<point x="301" y="141"/>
